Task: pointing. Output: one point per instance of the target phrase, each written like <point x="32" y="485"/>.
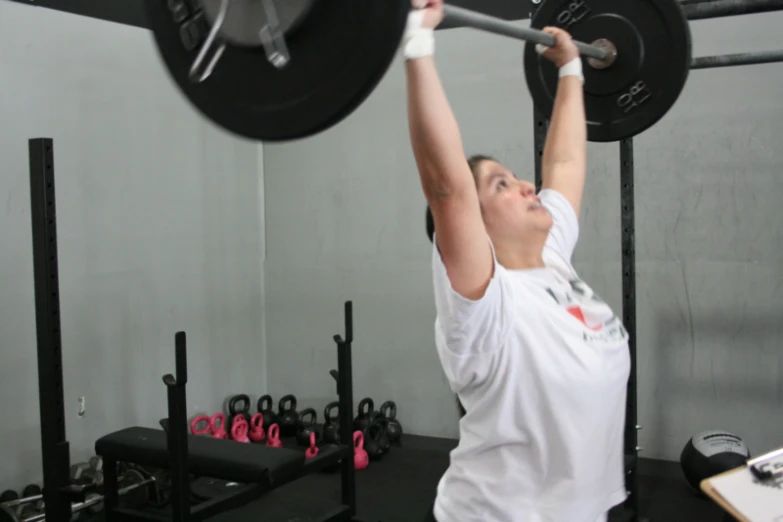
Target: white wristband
<point x="418" y="41"/>
<point x="573" y="68"/>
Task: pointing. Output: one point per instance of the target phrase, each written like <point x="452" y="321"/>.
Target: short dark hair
<point x="474" y="162"/>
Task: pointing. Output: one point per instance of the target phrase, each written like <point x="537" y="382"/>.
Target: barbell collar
<point x="491" y="24"/>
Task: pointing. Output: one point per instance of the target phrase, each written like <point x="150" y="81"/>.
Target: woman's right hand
<point x="433" y="12"/>
<point x="564" y="49"/>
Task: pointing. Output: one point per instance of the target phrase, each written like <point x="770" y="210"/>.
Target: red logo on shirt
<point x="576" y="311"/>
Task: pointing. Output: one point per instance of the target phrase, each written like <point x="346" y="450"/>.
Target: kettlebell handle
<point x="389" y="410"/>
<point x="366" y="404"/>
<point x="287" y="399"/>
<point x="358" y="440"/>
<point x="264" y="403"/>
<point x="236" y="399"/>
<point x="328" y="419"/>
<point x="307" y="412"/>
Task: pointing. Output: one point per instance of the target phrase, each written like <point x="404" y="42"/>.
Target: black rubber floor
<point x="401" y="488"/>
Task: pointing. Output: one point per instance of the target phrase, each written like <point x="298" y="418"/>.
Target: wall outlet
<point x="81" y="406"/>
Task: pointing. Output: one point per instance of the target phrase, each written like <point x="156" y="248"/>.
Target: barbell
<point x="280" y="70"/>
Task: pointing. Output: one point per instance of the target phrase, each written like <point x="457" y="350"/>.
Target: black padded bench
<point x="258" y="467"/>
<point x="221" y="459"/>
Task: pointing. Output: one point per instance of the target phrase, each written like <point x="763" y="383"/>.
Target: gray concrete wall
<point x="345" y="220"/>
<point x="160" y="229"/>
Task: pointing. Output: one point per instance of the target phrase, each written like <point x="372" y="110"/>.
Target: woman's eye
<point x="502" y="184"/>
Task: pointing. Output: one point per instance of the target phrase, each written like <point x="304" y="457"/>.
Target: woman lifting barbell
<point x="539" y="361"/>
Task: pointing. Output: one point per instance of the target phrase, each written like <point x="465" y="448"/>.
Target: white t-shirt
<point x="541" y="365"/>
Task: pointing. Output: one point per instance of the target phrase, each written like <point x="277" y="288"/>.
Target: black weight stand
<point x="177" y="437"/>
<point x="344" y="377"/>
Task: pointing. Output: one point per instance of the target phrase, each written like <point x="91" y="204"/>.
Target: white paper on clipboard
<point x="756" y="500"/>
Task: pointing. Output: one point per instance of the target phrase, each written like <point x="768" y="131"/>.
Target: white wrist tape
<point x="418" y="41"/>
<point x="573" y="68"/>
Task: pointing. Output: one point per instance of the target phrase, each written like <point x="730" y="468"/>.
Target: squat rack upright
<point x="694" y="10"/>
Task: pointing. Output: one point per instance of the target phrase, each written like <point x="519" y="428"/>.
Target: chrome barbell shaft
<point x="466" y="17"/>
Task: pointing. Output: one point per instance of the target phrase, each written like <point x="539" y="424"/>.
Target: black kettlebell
<point x="265" y="408"/>
<point x="393" y="427"/>
<point x="306" y="426"/>
<point x="376" y="442"/>
<point x="365" y="410"/>
<point x="238" y="405"/>
<point x="331" y="430"/>
<point x="287" y="418"/>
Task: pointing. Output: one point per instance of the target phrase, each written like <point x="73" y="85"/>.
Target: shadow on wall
<point x="716" y="371"/>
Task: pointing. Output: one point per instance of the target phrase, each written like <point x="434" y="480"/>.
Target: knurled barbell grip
<point x="480" y="21"/>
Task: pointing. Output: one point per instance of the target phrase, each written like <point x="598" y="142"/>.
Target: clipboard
<point x="750" y="493"/>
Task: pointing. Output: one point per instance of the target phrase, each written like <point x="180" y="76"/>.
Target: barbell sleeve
<point x="482" y="22"/>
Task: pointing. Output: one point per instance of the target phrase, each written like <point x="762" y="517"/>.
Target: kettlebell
<point x="306" y="427"/>
<point x="238" y="405"/>
<point x="273" y="436"/>
<point x="383" y="437"/>
<point x="360" y="457"/>
<point x="217" y="425"/>
<point x="256" y="433"/>
<point x="376" y="443"/>
<point x="312" y="451"/>
<point x="365" y="409"/>
<point x="331" y="430"/>
<point x="265" y="408"/>
<point x="201" y="420"/>
<point x="393" y="427"/>
<point x="239" y="431"/>
<point x="287" y="418"/>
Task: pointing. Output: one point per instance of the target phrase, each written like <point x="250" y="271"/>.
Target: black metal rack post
<point x="177" y="433"/>
<point x="55" y="450"/>
<point x="629" y="318"/>
<point x="345" y="392"/>
<point x="540" y="128"/>
<point x="540" y="122"/>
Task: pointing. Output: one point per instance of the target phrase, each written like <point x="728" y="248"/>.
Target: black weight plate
<point x="653" y="43"/>
<point x="339" y="53"/>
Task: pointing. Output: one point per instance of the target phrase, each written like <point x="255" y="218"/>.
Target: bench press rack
<point x="259" y="468"/>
